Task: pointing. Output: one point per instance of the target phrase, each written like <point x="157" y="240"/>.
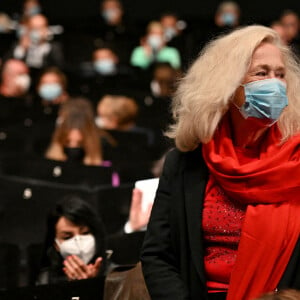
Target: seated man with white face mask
<point x="74" y="246"/>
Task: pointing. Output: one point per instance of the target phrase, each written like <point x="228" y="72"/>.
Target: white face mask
<point x="155" y="88"/>
<point x="155" y="41"/>
<point x="100" y="122"/>
<point x="23" y="81"/>
<point x="83" y="246"/>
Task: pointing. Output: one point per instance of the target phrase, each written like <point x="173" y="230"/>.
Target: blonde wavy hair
<point x="205" y="92"/>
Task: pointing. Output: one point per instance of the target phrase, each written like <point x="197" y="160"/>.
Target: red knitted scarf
<point x="270" y="185"/>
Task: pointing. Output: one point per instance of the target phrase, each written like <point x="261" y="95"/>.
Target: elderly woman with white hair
<point x="225" y="222"/>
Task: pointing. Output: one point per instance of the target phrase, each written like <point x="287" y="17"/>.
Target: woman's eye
<point x="262" y="73"/>
<point x="85" y="232"/>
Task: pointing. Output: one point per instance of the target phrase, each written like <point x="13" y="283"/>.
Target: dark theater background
<point x="141" y="10"/>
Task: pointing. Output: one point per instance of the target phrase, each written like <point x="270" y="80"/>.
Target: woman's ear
<point x="238" y="98"/>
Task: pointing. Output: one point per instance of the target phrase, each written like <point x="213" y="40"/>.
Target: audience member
<point x="76" y="137"/>
<point x="106" y="75"/>
<point x="164" y="81"/>
<point x="153" y="49"/>
<point x="176" y="36"/>
<point x="7" y="36"/>
<point x="52" y="92"/>
<point x="15" y="79"/>
<point x="227" y="15"/>
<point x="34" y="46"/>
<point x="31" y="8"/>
<point x="115" y="30"/>
<point x="6" y="24"/>
<point x="117" y="113"/>
<point x="15" y="102"/>
<point x="75" y="243"/>
<point x="278" y="27"/>
<point x="291" y="24"/>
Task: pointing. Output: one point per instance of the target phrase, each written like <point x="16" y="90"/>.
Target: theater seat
<point x="9" y="265"/>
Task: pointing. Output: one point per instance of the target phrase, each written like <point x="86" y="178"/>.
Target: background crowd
<point x="83" y="111"/>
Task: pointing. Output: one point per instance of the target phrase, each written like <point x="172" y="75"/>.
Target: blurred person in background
<point x="74" y="246"/>
<point x="227" y="16"/>
<point x="15" y="101"/>
<point x="31" y="8"/>
<point x="176" y="35"/>
<point x="15" y="79"/>
<point x="278" y="27"/>
<point x="6" y="24"/>
<point x="76" y="137"/>
<point x="51" y="90"/>
<point x="155" y="106"/>
<point x="164" y="80"/>
<point x="106" y="75"/>
<point x="115" y="30"/>
<point x="153" y="49"/>
<point x="34" y="46"/>
<point x="291" y="24"/>
<point x="7" y="37"/>
<point x="117" y="113"/>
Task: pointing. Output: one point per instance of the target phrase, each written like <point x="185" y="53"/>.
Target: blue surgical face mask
<point x="264" y="99"/>
<point x="105" y="66"/>
<point x="110" y="14"/>
<point x="33" y="10"/>
<point x="50" y="91"/>
<point x="228" y="19"/>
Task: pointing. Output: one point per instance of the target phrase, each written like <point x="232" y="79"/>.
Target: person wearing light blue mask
<point x="105" y="61"/>
<point x="233" y="164"/>
<point x="50" y="91"/>
<point x="228" y="19"/>
<point x="264" y="99"/>
<point x="31" y="8"/>
<point x="105" y="67"/>
<point x="52" y="87"/>
<point x="228" y="14"/>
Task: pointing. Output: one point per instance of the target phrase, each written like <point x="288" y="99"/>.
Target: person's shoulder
<point x="176" y="159"/>
<point x="137" y="49"/>
<point x="169" y="49"/>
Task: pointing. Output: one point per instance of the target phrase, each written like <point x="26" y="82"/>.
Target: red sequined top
<point x="222" y="223"/>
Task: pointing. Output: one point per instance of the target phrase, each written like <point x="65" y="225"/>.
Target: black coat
<point x="172" y="253"/>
